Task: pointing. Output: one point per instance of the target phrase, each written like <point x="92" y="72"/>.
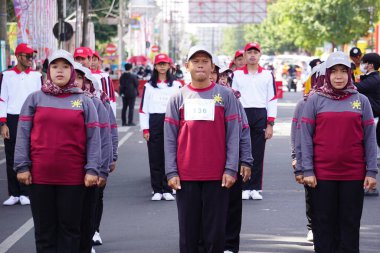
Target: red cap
<point x="162" y="58"/>
<point x="252" y="45"/>
<point x="81" y="52"/>
<point x="239" y="53"/>
<point x="96" y="54"/>
<point x="89" y="51"/>
<point x="24" y="48"/>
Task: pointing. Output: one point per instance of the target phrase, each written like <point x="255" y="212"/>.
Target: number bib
<point x="200" y="109"/>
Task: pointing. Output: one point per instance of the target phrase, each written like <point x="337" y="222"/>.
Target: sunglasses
<point x="29" y="56"/>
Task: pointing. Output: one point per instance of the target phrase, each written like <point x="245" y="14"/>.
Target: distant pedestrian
<point x="338" y="157"/>
<point x="356" y="56"/>
<point x="128" y="90"/>
<point x="258" y="97"/>
<point x="154" y="102"/>
<point x="16" y="85"/>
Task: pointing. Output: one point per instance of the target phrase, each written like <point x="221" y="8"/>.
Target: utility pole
<point x="120" y="34"/>
<point x="85" y="6"/>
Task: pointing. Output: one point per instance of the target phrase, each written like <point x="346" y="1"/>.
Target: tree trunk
<point x="85" y="5"/>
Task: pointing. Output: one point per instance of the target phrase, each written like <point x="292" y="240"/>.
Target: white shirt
<point x="155" y="100"/>
<point x="15" y="87"/>
<point x="257" y="90"/>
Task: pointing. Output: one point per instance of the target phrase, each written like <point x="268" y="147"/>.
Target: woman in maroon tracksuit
<point x="338" y="157"/>
<point x="57" y="151"/>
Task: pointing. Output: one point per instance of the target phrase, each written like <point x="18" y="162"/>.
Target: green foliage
<point x="292" y="24"/>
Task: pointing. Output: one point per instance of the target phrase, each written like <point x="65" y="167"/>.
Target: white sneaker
<point x="93" y="250"/>
<point x="11" y="201"/>
<point x="157" y="196"/>
<point x="310" y="236"/>
<point x="167" y="196"/>
<point x="96" y="239"/>
<point x="245" y="195"/>
<point x="256" y="195"/>
<point x="228" y="251"/>
<point x="24" y="200"/>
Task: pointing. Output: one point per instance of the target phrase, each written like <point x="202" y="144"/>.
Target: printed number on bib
<point x="199" y="109"/>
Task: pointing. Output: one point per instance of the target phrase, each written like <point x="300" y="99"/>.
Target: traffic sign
<point x="111" y="48"/>
<point x="154" y="49"/>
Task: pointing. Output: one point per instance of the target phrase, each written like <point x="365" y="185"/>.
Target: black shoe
<point x="131" y="124"/>
<point x="124" y="124"/>
<point x="372" y="193"/>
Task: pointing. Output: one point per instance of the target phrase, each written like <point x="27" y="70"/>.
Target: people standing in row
<point x="58" y="181"/>
<point x="16" y="85"/>
<point x="369" y="86"/>
<point x="258" y="97"/>
<point x="338" y="120"/>
<point x="154" y="101"/>
<point x="128" y="91"/>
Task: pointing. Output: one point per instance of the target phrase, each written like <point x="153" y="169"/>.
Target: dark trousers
<point x="156" y="153"/>
<point x="337" y="209"/>
<point x="308" y="207"/>
<point x="127" y="102"/>
<point x="99" y="208"/>
<point x="257" y="119"/>
<point x="14" y="187"/>
<point x="234" y="216"/>
<point x="88" y="219"/>
<point x="202" y="214"/>
<point x="57" y="216"/>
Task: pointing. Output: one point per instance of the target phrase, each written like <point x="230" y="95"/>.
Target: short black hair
<point x="372" y="58"/>
<point x="314" y="62"/>
<point x="128" y="66"/>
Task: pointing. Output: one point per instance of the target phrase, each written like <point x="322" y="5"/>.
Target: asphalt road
<point x="134" y="224"/>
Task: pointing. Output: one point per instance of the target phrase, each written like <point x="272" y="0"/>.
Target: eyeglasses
<point x="29" y="56"/>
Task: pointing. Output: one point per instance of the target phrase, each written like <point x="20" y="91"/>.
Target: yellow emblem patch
<point x="76" y="103"/>
<point x="218" y="99"/>
<point x="356" y="105"/>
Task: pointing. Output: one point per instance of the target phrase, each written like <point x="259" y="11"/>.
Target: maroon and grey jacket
<point x="105" y="136"/>
<point x="201" y="150"/>
<point x="338" y="139"/>
<point x="114" y="133"/>
<point x="295" y="136"/>
<point x="58" y="139"/>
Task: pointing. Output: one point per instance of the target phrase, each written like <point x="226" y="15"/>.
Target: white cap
<point x="315" y="69"/>
<point x="199" y="48"/>
<point x="63" y="54"/>
<point x="338" y="58"/>
<point x="215" y="60"/>
<point x="322" y="69"/>
<point x="87" y="73"/>
<point x="224" y="69"/>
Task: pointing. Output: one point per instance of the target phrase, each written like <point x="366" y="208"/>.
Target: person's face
<point x="339" y="76"/>
<point x="95" y="63"/>
<point x="162" y="67"/>
<point x="26" y="60"/>
<point x="60" y="72"/>
<point x="223" y="79"/>
<point x="200" y="67"/>
<point x="356" y="59"/>
<point x="214" y="75"/>
<point x="83" y="60"/>
<point x="252" y="56"/>
<point x="239" y="61"/>
<point x="79" y="79"/>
